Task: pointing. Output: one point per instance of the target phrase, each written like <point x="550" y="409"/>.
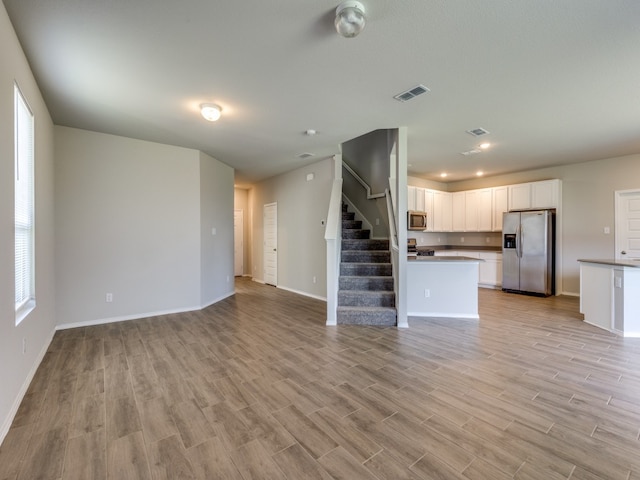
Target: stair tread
<point x="348" y="308"/>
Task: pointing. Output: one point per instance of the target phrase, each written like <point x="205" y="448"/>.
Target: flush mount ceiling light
<point x="210" y="111"/>
<point x="350" y="19"/>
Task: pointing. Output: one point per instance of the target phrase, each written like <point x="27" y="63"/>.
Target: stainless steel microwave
<point x="416" y="220"/>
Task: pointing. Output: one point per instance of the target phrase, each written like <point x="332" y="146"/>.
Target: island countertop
<point x="443" y="258"/>
<point x="612" y="261"/>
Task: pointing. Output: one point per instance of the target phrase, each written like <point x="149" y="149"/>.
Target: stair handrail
<point x="333" y="238"/>
<point x="366" y="186"/>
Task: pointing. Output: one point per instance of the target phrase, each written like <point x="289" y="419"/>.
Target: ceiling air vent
<point x="305" y="155"/>
<point x="411" y="93"/>
<point x="478" y="132"/>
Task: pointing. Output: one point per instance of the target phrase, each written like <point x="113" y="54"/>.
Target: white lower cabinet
<point x="490" y="271"/>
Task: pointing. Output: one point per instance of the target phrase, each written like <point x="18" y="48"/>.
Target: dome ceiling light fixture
<point x="350" y="19"/>
<point x="210" y="111"/>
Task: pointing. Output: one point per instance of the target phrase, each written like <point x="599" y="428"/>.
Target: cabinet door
<point x="545" y="194"/>
<point x="420" y="199"/>
<point x="471" y="203"/>
<point x="428" y="207"/>
<point x="500" y="205"/>
<point x="441" y="211"/>
<point x="519" y="196"/>
<point x="411" y="198"/>
<point x="485" y="209"/>
<point x="458" y="211"/>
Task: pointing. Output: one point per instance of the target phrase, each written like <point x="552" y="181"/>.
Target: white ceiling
<point x="554" y="81"/>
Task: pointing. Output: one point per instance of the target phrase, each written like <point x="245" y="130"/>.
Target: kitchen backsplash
<point x="475" y="239"/>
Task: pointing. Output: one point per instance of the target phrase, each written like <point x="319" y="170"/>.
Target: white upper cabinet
<point x="411" y="198"/>
<point x="500" y="205"/>
<point x="480" y="210"/>
<point x="459" y="211"/>
<point x="543" y="194"/>
<point x="485" y="210"/>
<point x="442" y="212"/>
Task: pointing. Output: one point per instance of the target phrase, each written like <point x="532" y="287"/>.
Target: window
<point x="24" y="207"/>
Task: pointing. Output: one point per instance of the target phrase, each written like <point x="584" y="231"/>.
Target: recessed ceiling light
<point x="479" y="173"/>
<point x="443" y="175"/>
<point x="305" y="155"/>
<point x="310" y="133"/>
<point x="484" y="145"/>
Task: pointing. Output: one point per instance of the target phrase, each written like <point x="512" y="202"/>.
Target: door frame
<point x="618" y="221"/>
<point x="264" y="242"/>
<point x="239" y="211"/>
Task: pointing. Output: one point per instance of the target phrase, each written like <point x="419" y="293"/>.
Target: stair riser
<point x="357" y="269"/>
<point x="348" y="298"/>
<point x="355" y="233"/>
<point x="348" y="215"/>
<point x="381" y="319"/>
<point x="366" y="283"/>
<point x="366" y="256"/>
<point x="359" y="244"/>
<point x="351" y="224"/>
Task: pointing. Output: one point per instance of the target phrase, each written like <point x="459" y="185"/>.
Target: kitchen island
<point x="610" y="294"/>
<point x="443" y="286"/>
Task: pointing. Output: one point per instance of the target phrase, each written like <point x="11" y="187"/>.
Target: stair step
<point x="354" y="224"/>
<point x="365" y="244"/>
<point x="366" y="298"/>
<point x="372" y="256"/>
<point x="348" y="233"/>
<point x="365" y="269"/>
<point x="348" y="216"/>
<point x="377" y="283"/>
<point x="374" y="316"/>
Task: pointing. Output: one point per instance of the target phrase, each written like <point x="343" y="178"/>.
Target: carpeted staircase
<point x="365" y="296"/>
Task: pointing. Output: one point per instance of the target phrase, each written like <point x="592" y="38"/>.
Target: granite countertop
<point x="443" y="258"/>
<point x="439" y="248"/>
<point x="612" y="261"/>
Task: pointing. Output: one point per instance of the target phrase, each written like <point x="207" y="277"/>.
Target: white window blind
<point x="24" y="206"/>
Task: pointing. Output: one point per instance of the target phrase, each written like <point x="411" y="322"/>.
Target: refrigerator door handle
<point x="519" y="241"/>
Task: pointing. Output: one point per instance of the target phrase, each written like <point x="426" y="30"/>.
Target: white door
<point x="238" y="243"/>
<point x="628" y="225"/>
<point x="270" y="222"/>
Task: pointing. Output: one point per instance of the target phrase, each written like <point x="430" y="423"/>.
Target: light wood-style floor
<point x="257" y="387"/>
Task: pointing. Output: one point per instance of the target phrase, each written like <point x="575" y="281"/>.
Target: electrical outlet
<point x="24" y="346"/>
<point x="377" y="221"/>
<point x="108" y="297"/>
<point x="227" y="278"/>
<point x="461" y="239"/>
<point x="427" y="293"/>
<point x="314" y="279"/>
<point x="607" y="230"/>
<point x="487" y="239"/>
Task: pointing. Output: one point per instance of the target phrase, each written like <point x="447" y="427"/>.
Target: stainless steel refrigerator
<point x="528" y="252"/>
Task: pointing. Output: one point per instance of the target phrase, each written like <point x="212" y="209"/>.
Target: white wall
<point x="302" y="205"/>
<point x="216" y="211"/>
<point x="16" y="368"/>
<point x="134" y="219"/>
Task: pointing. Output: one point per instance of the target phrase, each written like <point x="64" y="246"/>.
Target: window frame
<point x="24" y="205"/>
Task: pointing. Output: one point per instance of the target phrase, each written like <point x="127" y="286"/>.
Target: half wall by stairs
<point x="365" y="295"/>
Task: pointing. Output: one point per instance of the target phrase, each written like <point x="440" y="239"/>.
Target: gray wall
<point x="134" y="219"/>
<point x="16" y="368"/>
<point x="302" y="206"/>
<point x="369" y="156"/>
<point x="587" y="206"/>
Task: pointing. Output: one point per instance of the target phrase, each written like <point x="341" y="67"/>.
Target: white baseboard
<point x="469" y="316"/>
<point x="257" y="280"/>
<point x="124" y="318"/>
<point x="570" y="294"/>
<point x="6" y="425"/>
<point x="303" y="293"/>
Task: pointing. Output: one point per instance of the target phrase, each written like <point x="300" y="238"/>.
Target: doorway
<point x="627" y="225"/>
<point x="238" y="243"/>
<point x="270" y="222"/>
